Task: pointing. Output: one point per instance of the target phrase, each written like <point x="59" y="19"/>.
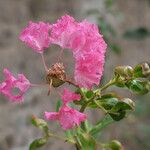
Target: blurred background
<point x="126" y="28"/>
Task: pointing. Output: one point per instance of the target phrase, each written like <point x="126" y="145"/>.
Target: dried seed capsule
<point x="56" y="75"/>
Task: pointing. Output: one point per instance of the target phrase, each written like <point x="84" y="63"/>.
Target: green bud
<point x="142" y="70"/>
<point x="115" y="145"/>
<point x="124" y="71"/>
<point x="40" y="123"/>
<point x="120" y="82"/>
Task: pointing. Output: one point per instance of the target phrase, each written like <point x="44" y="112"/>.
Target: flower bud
<point x="142" y="70"/>
<point x="40" y="123"/>
<point x="115" y="145"/>
<point x="124" y="71"/>
<point x="120" y="82"/>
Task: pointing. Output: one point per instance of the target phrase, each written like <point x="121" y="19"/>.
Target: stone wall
<point x="16" y="132"/>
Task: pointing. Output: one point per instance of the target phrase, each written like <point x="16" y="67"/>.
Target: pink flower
<point x="87" y="45"/>
<point x="90" y="57"/>
<point x="69" y="96"/>
<point x="67" y="116"/>
<point x="22" y="84"/>
<point x="62" y="31"/>
<point x="88" y="69"/>
<point x="36" y="36"/>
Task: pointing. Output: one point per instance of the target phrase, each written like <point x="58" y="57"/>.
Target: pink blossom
<point x="36" y="36"/>
<point x="22" y="84"/>
<point x="69" y="96"/>
<point x="62" y="30"/>
<point x="88" y="69"/>
<point x="90" y="58"/>
<point x="87" y="45"/>
<point x="67" y="116"/>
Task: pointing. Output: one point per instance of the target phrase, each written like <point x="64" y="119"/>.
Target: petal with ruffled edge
<point x="21" y="84"/>
<point x="36" y="36"/>
<point x="70" y="117"/>
<point x="62" y="30"/>
<point x="51" y="115"/>
<point x="69" y="96"/>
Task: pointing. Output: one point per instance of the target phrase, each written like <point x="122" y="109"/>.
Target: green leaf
<point x="107" y="101"/>
<point x="138" y="34"/>
<point x="38" y="143"/>
<point x="125" y="104"/>
<point x="85" y="141"/>
<point x="118" y="112"/>
<point x="100" y="125"/>
<point x="40" y="123"/>
<point x="89" y="94"/>
<point x="86" y="126"/>
<point x="117" y="116"/>
<point x="138" y="86"/>
<point x="58" y="105"/>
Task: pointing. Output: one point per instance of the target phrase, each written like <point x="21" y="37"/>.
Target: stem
<point x="86" y="104"/>
<point x="38" y="85"/>
<point x="77" y="148"/>
<point x="83" y="95"/>
<point x="100" y="106"/>
<point x="70" y="82"/>
<point x="111" y="82"/>
<point x="43" y="61"/>
<point x="60" y="138"/>
<point x="60" y="55"/>
<point x="96" y="93"/>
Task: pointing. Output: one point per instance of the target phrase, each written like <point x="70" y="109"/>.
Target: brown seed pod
<point x="56" y="75"/>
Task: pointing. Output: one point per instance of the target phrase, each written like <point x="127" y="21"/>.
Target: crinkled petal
<point x="70" y="117"/>
<point x="36" y="36"/>
<point x="69" y="96"/>
<point x="88" y="69"/>
<point x="51" y="115"/>
<point x="62" y="30"/>
<point x="21" y="85"/>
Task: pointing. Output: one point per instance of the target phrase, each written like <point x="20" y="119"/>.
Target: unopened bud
<point x="115" y="145"/>
<point x="124" y="71"/>
<point x="142" y="70"/>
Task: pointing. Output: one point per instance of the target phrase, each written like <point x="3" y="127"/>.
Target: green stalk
<point x="97" y="92"/>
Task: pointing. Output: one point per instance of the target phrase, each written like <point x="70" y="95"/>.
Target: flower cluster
<point x="67" y="116"/>
<point x="83" y="38"/>
<point x="88" y="48"/>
